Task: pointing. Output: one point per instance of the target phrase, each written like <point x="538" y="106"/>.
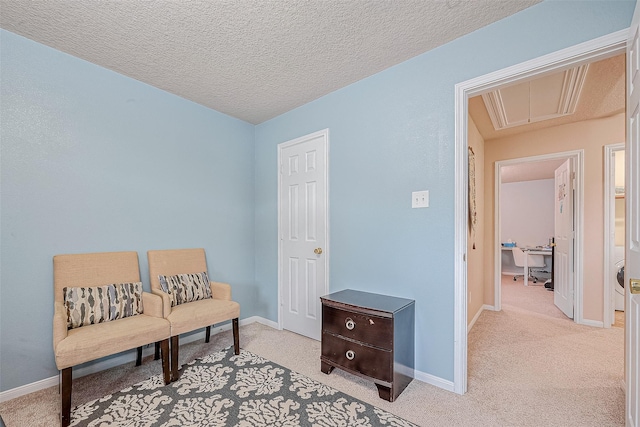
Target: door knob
<point x="635" y="286"/>
<point x="317" y="251"/>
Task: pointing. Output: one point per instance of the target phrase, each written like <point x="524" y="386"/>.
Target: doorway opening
<point x="601" y="48"/>
<point x="614" y="234"/>
<point x="507" y="171"/>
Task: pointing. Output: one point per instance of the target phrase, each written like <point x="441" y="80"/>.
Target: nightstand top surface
<point x="368" y="300"/>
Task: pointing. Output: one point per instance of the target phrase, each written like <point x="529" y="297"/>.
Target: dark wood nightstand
<point x="369" y="335"/>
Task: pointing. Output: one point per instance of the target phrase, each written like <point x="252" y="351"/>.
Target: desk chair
<point x="533" y="261"/>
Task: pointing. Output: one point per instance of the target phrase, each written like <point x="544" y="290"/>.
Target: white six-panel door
<point x="564" y="237"/>
<point x="303" y="214"/>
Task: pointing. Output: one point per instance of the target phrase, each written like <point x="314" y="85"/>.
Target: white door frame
<point x="594" y="50"/>
<point x="609" y="233"/>
<point x="578" y="163"/>
<point x="325" y="250"/>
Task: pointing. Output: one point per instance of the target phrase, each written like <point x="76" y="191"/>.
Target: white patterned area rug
<point x="223" y="389"/>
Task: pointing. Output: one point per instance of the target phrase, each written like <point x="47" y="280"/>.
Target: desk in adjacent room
<point x="546" y="252"/>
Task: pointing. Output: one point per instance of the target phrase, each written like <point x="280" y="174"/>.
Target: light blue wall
<point x="93" y="161"/>
<point x="391" y="134"/>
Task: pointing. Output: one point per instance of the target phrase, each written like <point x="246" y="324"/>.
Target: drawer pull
<point x="350" y="354"/>
<point x="349" y="323"/>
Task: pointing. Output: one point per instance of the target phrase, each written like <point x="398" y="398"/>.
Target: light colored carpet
<point x="534" y="298"/>
<point x="526" y="368"/>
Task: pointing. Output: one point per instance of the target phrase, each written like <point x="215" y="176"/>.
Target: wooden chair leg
<point x="208" y="334"/>
<point x="139" y="357"/>
<point x="65" y="404"/>
<point x="174" y="358"/>
<point x="236" y="336"/>
<point x="156" y="356"/>
<point x="166" y="367"/>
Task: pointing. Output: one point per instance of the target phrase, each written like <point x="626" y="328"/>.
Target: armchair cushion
<point x="183" y="288"/>
<point x="199" y="314"/>
<point x="104" y="339"/>
<point x="98" y="304"/>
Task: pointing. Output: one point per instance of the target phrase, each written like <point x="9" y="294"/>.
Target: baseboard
<point x="594" y="323"/>
<point x="28" y="388"/>
<point x="434" y="381"/>
<point x="226" y="327"/>
<point x="262" y="321"/>
<point x="121" y="359"/>
<point x="475" y="318"/>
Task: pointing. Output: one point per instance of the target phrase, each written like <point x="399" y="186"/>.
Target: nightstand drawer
<point x="372" y="330"/>
<point x="372" y="362"/>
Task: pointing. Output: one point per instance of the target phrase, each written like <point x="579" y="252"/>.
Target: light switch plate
<point x="420" y="199"/>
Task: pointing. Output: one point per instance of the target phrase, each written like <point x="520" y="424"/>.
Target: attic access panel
<point x="545" y="98"/>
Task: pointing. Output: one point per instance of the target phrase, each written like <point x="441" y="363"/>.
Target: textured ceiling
<point x="251" y="59"/>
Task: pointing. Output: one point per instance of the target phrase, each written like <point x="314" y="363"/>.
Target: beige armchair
<point x="189" y="316"/>
<point x="90" y="341"/>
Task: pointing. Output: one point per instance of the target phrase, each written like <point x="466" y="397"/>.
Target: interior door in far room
<point x="564" y="237"/>
<point x="303" y="233"/>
